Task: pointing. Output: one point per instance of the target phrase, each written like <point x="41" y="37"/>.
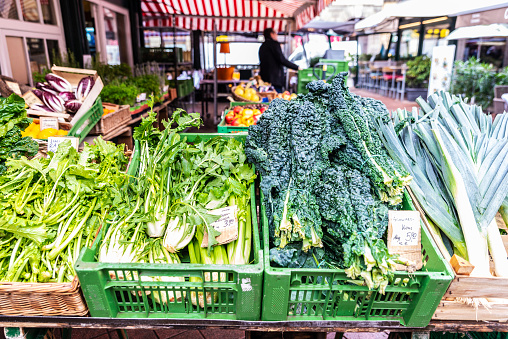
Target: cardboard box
<point x="74" y="76"/>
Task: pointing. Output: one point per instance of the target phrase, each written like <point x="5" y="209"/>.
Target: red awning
<point x="230" y="15"/>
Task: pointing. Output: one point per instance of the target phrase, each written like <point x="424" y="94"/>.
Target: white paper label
<point x="49" y="122"/>
<point x="14" y="86"/>
<point x="228" y="218"/>
<point x="246" y="285"/>
<point x="141" y="97"/>
<point x="405" y="227"/>
<point x="53" y="142"/>
<point x="227" y="224"/>
<point x="31" y="98"/>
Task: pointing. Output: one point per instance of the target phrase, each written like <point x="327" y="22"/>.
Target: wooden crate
<point x="112" y="120"/>
<point x="454" y="310"/>
<point x="470" y="287"/>
<point x="74" y="75"/>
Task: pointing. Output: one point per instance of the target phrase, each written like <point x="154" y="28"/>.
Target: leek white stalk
<point x="476" y="242"/>
<point x="497" y="250"/>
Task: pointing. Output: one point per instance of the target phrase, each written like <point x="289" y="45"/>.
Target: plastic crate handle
<point x="316" y="66"/>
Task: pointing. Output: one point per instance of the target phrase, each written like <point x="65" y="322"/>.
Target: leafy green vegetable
<point x="418" y="72"/>
<point x="54" y="207"/>
<point x="327" y="181"/>
<point x="119" y="93"/>
<point x="176" y="186"/>
<point x="13" y="120"/>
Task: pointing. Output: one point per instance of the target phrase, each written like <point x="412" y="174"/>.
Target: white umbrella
<point x="480" y="31"/>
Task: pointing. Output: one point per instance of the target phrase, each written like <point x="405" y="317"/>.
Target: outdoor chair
<point x="400" y="80"/>
<point x="363" y="77"/>
<point x="374" y="77"/>
<point x="386" y="81"/>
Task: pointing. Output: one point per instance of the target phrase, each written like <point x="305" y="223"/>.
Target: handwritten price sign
<point x="227" y="225"/>
<point x="405" y="228"/>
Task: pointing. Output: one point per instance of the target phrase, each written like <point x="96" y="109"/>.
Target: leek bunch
<point x="456" y="155"/>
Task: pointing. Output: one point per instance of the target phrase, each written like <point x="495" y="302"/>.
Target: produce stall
<point x="328" y="215"/>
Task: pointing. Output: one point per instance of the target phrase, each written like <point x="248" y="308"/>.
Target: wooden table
<point x="295" y="326"/>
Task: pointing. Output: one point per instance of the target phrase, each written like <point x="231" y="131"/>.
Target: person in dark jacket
<point x="271" y="61"/>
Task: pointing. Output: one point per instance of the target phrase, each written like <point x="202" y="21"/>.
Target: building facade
<point x="34" y="32"/>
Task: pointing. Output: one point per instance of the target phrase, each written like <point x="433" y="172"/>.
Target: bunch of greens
<point x="149" y="84"/>
<point x="474" y="79"/>
<point x="166" y="206"/>
<point x="51" y="208"/>
<point x="457" y="155"/>
<point x="13" y="121"/>
<point x="111" y="73"/>
<point x="327" y="181"/>
<point x="418" y="72"/>
<point x="119" y="93"/>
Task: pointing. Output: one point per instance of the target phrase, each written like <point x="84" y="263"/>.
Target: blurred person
<point x="271" y="60"/>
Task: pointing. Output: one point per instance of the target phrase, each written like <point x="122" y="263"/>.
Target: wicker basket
<point x="269" y="95"/>
<point x="42" y="299"/>
<point x="112" y="120"/>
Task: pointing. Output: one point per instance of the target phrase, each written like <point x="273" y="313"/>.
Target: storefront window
<point x="435" y="36"/>
<point x="112" y="41"/>
<point x="91" y="35"/>
<point x="488" y="50"/>
<point x="30" y="10"/>
<point x="53" y="50"/>
<point x="409" y="43"/>
<point x="8" y="9"/>
<point x="37" y="55"/>
<point x="48" y="14"/>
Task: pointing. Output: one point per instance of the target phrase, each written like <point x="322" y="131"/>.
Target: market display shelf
<point x="125" y="290"/>
<point x="324" y="294"/>
<point x="273" y="326"/>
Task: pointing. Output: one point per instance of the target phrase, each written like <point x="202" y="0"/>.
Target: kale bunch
<point x="327" y="181"/>
<point x="13" y="121"/>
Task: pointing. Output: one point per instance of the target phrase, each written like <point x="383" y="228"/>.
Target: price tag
<point x="49" y="122"/>
<point x="14" y="86"/>
<point x="31" y="98"/>
<point x="404" y="237"/>
<point x="141" y="97"/>
<point x="405" y="226"/>
<point x="227" y="225"/>
<point x="54" y="142"/>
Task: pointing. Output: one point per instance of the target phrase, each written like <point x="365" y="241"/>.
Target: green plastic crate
<point x="291" y="294"/>
<point x="340" y="66"/>
<point x="305" y="76"/>
<point x="85" y="124"/>
<point x="238" y="294"/>
<point x="223" y="128"/>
